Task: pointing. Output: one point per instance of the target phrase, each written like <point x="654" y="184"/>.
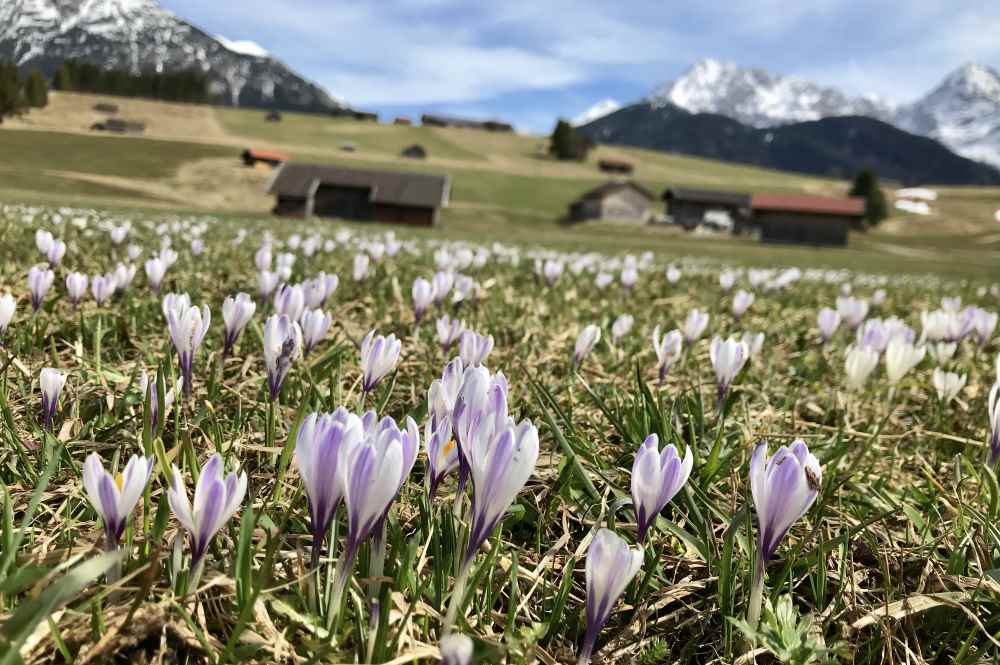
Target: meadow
<point x="502" y="499"/>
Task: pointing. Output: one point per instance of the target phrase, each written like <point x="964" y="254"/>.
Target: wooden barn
<point x="402" y="120"/>
<point x="119" y="126"/>
<point x="304" y="190"/>
<point x="687" y="207"/>
<point x="618" y="166"/>
<point x="806" y="220"/>
<point x="614" y="201"/>
<point x="415" y="151"/>
<point x="437" y="120"/>
<point x="253" y="157"/>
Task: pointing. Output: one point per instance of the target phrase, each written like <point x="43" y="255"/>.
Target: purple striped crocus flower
<point x="474" y="348"/>
<point x="76" y="287"/>
<point x="114" y="497"/>
<point x="236" y="314"/>
<point x="611" y="566"/>
<point x="51" y="381"/>
<point x="994" y="414"/>
<point x="39" y="281"/>
<point x="216" y="500"/>
<point x="728" y="358"/>
<point x="187" y="330"/>
<point x="449" y="331"/>
<point x="481" y="403"/>
<point x="282" y="346"/>
<point x="656" y="478"/>
<point x="102" y="287"/>
<point x="379" y="356"/>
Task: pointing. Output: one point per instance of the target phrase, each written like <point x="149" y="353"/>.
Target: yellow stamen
<point x="448" y="447"/>
<point x="120" y="481"/>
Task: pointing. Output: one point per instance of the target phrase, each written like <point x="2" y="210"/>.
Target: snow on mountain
<point x="139" y="35"/>
<point x="760" y="99"/>
<point x="598" y="110"/>
<point x="963" y="112"/>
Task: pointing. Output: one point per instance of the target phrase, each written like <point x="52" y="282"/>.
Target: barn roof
<point x="611" y="187"/>
<point x="816" y="205"/>
<point x="708" y="197"/>
<point x="267" y="154"/>
<point x="408" y="189"/>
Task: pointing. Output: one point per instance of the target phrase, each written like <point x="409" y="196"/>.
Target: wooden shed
<point x="252" y="157"/>
<point x="304" y="190"/>
<point x="402" y="120"/>
<point x="614" y="201"/>
<point x="438" y="120"/>
<point x="806" y="220"/>
<point x="615" y="166"/>
<point x="687" y="207"/>
<point x="415" y="151"/>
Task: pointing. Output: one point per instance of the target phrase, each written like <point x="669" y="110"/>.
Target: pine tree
<point x="567" y="143"/>
<point x="63" y="80"/>
<point x="36" y="90"/>
<point x="11" y="99"/>
<point x="866" y="186"/>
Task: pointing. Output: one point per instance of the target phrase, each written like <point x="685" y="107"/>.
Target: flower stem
<point x="586" y="649"/>
<point x="756" y="593"/>
<point x="457" y="594"/>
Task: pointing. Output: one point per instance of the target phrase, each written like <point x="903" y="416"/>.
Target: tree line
<point x="187" y="86"/>
<point x="17" y="93"/>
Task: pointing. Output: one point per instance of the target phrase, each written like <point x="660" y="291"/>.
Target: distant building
<point x="366" y="116"/>
<point x="304" y="190"/>
<point x="402" y="120"/>
<point x="614" y="201"/>
<point x="415" y="151"/>
<point x="806" y="220"/>
<point x="436" y="120"/>
<point x="119" y="126"/>
<point x="615" y="166"/>
<point x="273" y="116"/>
<point x="253" y="157"/>
<point x="105" y="107"/>
<point x="689" y="207"/>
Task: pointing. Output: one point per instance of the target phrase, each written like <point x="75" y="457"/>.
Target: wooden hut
<point x="119" y="126"/>
<point x="806" y="220"/>
<point x="688" y="207"/>
<point x="252" y="157"/>
<point x="438" y="120"/>
<point x="617" y="166"/>
<point x="402" y="120"/>
<point x="415" y="151"/>
<point x="614" y="201"/>
<point x="304" y="190"/>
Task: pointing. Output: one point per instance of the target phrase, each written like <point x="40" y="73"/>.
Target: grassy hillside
<point x="505" y="186"/>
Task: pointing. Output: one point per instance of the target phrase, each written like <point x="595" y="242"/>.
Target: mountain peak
<point x="597" y="110"/>
<point x="975" y="79"/>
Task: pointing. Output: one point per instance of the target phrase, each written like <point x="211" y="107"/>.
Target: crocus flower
<point x="622" y="326"/>
<point x="187" y="330"/>
<point x="741" y="303"/>
<point x="656" y="478"/>
<point x="449" y="331"/>
<point x="994" y="413"/>
<point x="156" y="269"/>
<point x="443" y="393"/>
<point x="43" y="241"/>
<point x="282" y="346"/>
<point x="76" y="287"/>
<point x="727" y="279"/>
<point x="900" y="357"/>
<point x="983" y="325"/>
<point x="56" y="252"/>
<point x="290" y="301"/>
<point x="379" y="356"/>
<point x="148" y="388"/>
<point x="947" y="384"/>
<point x="442" y="452"/>
<point x="828" y="320"/>
<point x="267" y="282"/>
<point x="951" y="303"/>
<point x="39" y="281"/>
<point x="852" y="310"/>
<point x="611" y="566"/>
<point x="551" y="271"/>
<point x="629" y="277"/>
<point x="728" y="357"/>
<point x="118" y="234"/>
<point x="133" y="252"/>
<point x="323" y="441"/>
<point x="7" y="308"/>
<point x="942" y="352"/>
<point x="859" y="363"/>
<point x="673" y="275"/>
<point x="783" y="488"/>
<point x="114" y="497"/>
<point x="423" y="295"/>
<point x="456" y="649"/>
<point x="178" y="303"/>
<point x="51" y="381"/>
<point x="236" y="314"/>
<point x="315" y="324"/>
<point x="602" y="280"/>
<point x="585" y="343"/>
<point x="124" y="274"/>
<point x="102" y="287"/>
<point x="262" y="259"/>
<point x="668" y="350"/>
<point x="361" y="266"/>
<point x="441" y="286"/>
<point x="216" y="500"/>
<point x="474" y="348"/>
<point x="314" y="291"/>
<point x="754" y="342"/>
<point x="694" y="325"/>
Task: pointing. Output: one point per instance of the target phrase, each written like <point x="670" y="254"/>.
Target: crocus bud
<point x="8" y="306"/>
<point x="741" y="303"/>
<point x="148" y="388"/>
<point x="262" y="259"/>
<point x="443" y="281"/>
<point x="668" y="350"/>
<point x="852" y="310"/>
<point x="603" y="280"/>
<point x="552" y="271"/>
<point x="187" y="330"/>
<point x="859" y="363"/>
<point x="728" y="358"/>
<point x="51" y="381"/>
<point x="290" y="301"/>
<point x="828" y="320"/>
<point x="622" y="326"/>
<point x="994" y="413"/>
<point x="379" y="356"/>
<point x="43" y="241"/>
<point x="474" y="348"/>
<point x="900" y="357"/>
<point x="360" y="268"/>
<point x="947" y="384"/>
<point x="102" y="287"/>
<point x="656" y="478"/>
<point x="754" y="342"/>
<point x="585" y="343"/>
<point x="124" y="274"/>
<point x="282" y="346"/>
<point x="673" y="275"/>
<point x="118" y="234"/>
<point x="456" y="649"/>
<point x="423" y="294"/>
<point x="216" y="500"/>
<point x="39" y="281"/>
<point x="236" y="314"/>
<point x="114" y="497"/>
<point x="315" y="324"/>
<point x="629" y="277"/>
<point x="133" y="252"/>
<point x="156" y="269"/>
<point x="56" y="252"/>
<point x="76" y="287"/>
<point x="611" y="566"/>
<point x="694" y="325"/>
<point x="449" y="331"/>
<point x="727" y="279"/>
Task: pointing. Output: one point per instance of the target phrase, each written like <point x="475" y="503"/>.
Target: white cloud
<point x="598" y="110"/>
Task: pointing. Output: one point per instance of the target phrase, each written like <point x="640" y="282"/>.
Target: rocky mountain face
<point x="139" y="35"/>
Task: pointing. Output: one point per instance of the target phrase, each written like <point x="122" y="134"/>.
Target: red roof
<point x="267" y="155"/>
<point x="821" y="205"/>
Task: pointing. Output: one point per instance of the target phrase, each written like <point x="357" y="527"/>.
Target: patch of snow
<point x="913" y="207"/>
<point x="996" y="215"/>
<point x="243" y="47"/>
<point x="921" y="193"/>
<point x="598" y="110"/>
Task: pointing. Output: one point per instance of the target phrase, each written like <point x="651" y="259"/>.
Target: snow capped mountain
<point x="963" y="112"/>
<point x="761" y="99"/>
<point x="598" y="110"/>
<point x="139" y="35"/>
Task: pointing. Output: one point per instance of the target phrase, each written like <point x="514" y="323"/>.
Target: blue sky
<point x="532" y="61"/>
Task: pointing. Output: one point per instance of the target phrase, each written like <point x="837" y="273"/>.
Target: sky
<point x="530" y="62"/>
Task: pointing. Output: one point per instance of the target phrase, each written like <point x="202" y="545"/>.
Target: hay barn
<point x="806" y="220"/>
<point x="253" y="157"/>
<point x="614" y="201"/>
<point x="436" y="120"/>
<point x="615" y="166"/>
<point x="688" y="207"/>
<point x="304" y="190"/>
